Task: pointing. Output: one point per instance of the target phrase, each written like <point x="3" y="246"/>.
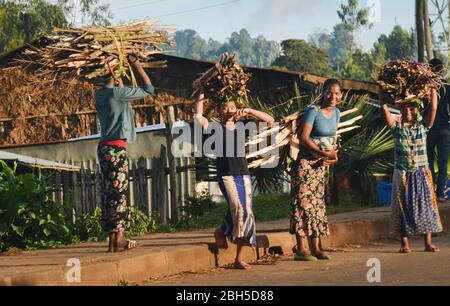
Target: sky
<point x="275" y="19"/>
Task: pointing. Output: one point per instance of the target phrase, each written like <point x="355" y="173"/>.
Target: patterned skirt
<point x="114" y="167"/>
<point x="308" y="212"/>
<point x="414" y="206"/>
<point x="239" y="221"/>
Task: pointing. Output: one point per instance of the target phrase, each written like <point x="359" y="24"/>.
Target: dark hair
<point x="327" y="85"/>
<point x="330" y="82"/>
<point x="436" y="64"/>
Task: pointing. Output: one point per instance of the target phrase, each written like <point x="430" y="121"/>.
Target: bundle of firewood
<point x="286" y="138"/>
<point x="226" y="81"/>
<point x="403" y="81"/>
<point x="96" y="51"/>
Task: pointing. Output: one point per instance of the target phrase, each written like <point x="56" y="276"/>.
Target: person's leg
<point x="112" y="240"/>
<point x="302" y="246"/>
<point x="432" y="140"/>
<point x="429" y="247"/>
<point x="221" y="240"/>
<point x="404" y="247"/>
<point x="443" y="157"/>
<point x="317" y="250"/>
<point x="239" y="262"/>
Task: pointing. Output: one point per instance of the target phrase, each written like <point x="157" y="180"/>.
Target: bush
<point x="141" y="224"/>
<point x="88" y="227"/>
<point x="199" y="204"/>
<point x="29" y="219"/>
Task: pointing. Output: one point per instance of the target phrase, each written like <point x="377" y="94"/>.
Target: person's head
<point x="227" y="110"/>
<point x="436" y="65"/>
<point x="331" y="93"/>
<point x="409" y="113"/>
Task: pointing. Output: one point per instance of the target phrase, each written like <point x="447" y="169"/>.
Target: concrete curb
<point x="140" y="267"/>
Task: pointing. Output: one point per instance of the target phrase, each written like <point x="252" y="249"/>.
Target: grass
<point x="267" y="208"/>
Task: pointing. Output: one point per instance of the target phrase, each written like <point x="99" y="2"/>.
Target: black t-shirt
<point x="234" y="165"/>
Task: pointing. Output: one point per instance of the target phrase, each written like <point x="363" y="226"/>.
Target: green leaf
<point x="47" y="232"/>
<point x="19" y="230"/>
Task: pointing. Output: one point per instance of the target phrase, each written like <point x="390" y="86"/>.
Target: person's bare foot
<point x="405" y="249"/>
<point x="221" y="240"/>
<point x="320" y="255"/>
<point x="432" y="248"/>
<point x="242" y="265"/>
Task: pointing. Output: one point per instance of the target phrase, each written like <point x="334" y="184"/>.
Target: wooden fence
<point x="149" y="187"/>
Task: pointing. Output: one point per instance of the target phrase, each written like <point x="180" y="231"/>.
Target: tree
<point x="400" y="44"/>
<point x="42" y="16"/>
<point x="86" y="12"/>
<point x="299" y="55"/>
<point x="190" y="45"/>
<point x="255" y="52"/>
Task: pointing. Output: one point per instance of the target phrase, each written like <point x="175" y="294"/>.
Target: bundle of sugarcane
<point x="286" y="138"/>
<point x="403" y="81"/>
<point x="226" y="81"/>
<point x="96" y="51"/>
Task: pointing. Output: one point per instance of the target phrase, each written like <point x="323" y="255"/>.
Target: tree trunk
<point x="420" y="31"/>
<point x="27" y="27"/>
<point x="428" y="33"/>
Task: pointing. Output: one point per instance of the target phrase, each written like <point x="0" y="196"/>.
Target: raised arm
<point x="138" y="93"/>
<point x="134" y="61"/>
<point x="429" y="120"/>
<point x="385" y="109"/>
<point x="199" y="111"/>
<point x="261" y="116"/>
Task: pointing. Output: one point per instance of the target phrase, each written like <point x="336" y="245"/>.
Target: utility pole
<point x="428" y="33"/>
<point x="420" y="31"/>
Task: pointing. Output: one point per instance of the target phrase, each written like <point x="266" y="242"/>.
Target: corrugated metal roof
<point x="36" y="162"/>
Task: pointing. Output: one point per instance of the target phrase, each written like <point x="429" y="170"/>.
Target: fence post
<point x="98" y="186"/>
<point x="141" y="173"/>
<point x="172" y="166"/>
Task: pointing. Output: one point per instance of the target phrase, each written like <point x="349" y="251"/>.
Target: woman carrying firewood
<point x="118" y="127"/>
<point x="414" y="205"/>
<point x="234" y="179"/>
<point x="319" y="151"/>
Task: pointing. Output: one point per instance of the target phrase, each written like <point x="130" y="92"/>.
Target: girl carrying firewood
<point x="234" y="180"/>
<point x="414" y="205"/>
<point x="114" y="110"/>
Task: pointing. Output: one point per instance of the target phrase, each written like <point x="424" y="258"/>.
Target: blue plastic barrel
<point x="384" y="190"/>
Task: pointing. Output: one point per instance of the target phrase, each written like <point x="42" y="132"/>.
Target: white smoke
<point x="278" y="11"/>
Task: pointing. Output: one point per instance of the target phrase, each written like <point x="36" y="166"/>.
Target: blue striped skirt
<point x="414" y="206"/>
<point x="239" y="221"/>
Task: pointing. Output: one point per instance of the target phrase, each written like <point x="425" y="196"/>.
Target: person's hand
<point x="242" y="112"/>
<point x="330" y="162"/>
<point x="331" y="155"/>
<point x="134" y="60"/>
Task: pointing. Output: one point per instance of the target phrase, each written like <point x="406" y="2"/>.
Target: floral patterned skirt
<point x="308" y="213"/>
<point x="114" y="167"/>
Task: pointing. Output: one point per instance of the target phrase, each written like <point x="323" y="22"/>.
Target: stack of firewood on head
<point x="225" y="81"/>
<point x="94" y="52"/>
<point x="404" y="82"/>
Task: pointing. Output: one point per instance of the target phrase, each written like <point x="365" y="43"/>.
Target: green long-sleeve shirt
<point x="115" y="112"/>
